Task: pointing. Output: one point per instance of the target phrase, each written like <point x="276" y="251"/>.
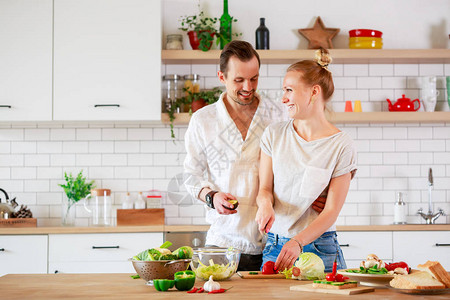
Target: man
<point x="222" y="161"/>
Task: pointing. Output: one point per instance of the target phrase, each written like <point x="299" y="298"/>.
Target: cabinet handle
<point x="442" y="245"/>
<point x="6" y="106"/>
<point x="105" y="247"/>
<point x="2" y="249"/>
<point x="56" y="271"/>
<point x="106" y="105"/>
<point x="345" y="245"/>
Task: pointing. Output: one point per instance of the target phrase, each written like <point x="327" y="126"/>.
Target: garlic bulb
<point x="211" y="285"/>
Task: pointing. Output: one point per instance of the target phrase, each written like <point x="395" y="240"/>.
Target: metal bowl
<point x="159" y="269"/>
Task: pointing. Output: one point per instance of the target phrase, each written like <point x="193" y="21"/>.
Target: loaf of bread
<point x="417" y="280"/>
<point x="437" y="271"/>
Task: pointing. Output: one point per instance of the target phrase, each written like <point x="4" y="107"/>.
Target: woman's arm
<point x="265" y="215"/>
<point x="337" y="193"/>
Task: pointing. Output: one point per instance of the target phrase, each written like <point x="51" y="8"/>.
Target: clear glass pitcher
<point x="98" y="204"/>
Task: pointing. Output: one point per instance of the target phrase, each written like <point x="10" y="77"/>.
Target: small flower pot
<point x="195" y="42"/>
<point x="197" y="104"/>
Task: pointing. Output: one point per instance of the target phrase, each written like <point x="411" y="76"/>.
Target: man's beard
<point x="244" y="103"/>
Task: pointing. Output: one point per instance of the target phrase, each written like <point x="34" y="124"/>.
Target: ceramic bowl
<point x="365" y="43"/>
<point x="365" y="33"/>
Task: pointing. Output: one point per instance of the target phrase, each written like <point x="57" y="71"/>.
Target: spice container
<point x="172" y="90"/>
<point x="400" y="210"/>
<point x="192" y="84"/>
<point x="174" y="42"/>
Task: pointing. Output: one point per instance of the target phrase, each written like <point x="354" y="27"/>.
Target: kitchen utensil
<point x="365" y="33"/>
<point x="403" y="104"/>
<point x="6" y="208"/>
<point x="420" y="291"/>
<point x="99" y="207"/>
<point x="227" y="259"/>
<point x="365" y="43"/>
<point x="247" y="275"/>
<point x="430" y="187"/>
<point x="159" y="269"/>
<point x="367" y="279"/>
<point x="351" y="291"/>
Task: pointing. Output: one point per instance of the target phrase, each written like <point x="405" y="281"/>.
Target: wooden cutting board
<point x="351" y="291"/>
<point x="246" y="275"/>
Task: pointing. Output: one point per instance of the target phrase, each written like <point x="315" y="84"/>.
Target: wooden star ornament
<point x="319" y="36"/>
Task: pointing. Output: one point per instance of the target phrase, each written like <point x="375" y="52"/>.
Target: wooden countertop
<point x="191" y="228"/>
<point x="121" y="286"/>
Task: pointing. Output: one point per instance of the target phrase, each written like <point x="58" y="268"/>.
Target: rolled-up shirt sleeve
<point x="195" y="163"/>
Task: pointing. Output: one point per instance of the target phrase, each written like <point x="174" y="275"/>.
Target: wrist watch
<point x="209" y="198"/>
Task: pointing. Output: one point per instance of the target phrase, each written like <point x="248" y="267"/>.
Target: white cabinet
<point x="23" y="254"/>
<point x="416" y="247"/>
<point x="98" y="253"/>
<point x="107" y="60"/>
<point x="358" y="244"/>
<point x="26" y="60"/>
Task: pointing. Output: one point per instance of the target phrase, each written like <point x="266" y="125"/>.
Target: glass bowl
<point x="221" y="263"/>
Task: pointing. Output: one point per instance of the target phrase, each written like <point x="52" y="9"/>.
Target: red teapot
<point x="403" y="104"/>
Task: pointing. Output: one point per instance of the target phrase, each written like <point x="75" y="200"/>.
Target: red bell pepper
<point x="269" y="268"/>
<point x="401" y="264"/>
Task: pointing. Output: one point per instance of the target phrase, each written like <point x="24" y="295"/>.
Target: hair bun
<point x="323" y="58"/>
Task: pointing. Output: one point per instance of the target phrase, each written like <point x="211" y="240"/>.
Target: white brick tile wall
<point x="133" y="157"/>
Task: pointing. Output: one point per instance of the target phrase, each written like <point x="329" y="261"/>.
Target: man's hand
<point x="319" y="204"/>
<point x="220" y="200"/>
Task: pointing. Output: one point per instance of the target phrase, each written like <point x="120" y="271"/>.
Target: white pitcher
<point x="429" y="93"/>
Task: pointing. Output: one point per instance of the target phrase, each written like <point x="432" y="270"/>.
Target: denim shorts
<point x="326" y="247"/>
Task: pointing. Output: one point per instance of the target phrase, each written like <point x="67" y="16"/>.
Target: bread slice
<point x="437" y="271"/>
<point x="418" y="280"/>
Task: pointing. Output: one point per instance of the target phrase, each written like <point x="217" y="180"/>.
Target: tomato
<point x="269" y="268"/>
<point x="330" y="277"/>
<point x="340" y="278"/>
<point x="296" y="271"/>
<point x="401" y="264"/>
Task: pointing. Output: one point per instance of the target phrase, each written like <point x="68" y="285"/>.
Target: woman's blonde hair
<point x="315" y="72"/>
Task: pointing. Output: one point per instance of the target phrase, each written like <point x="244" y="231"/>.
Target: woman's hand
<point x="265" y="216"/>
<point x="288" y="255"/>
<point x="221" y="201"/>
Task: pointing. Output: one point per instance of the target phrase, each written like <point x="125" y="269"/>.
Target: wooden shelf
<point x="348" y="56"/>
<point x="354" y="118"/>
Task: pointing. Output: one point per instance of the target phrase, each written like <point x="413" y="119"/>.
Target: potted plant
<point x="196" y="99"/>
<point x="75" y="189"/>
<point x="202" y="30"/>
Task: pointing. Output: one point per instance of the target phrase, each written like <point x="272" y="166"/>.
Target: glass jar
<point x="172" y="90"/>
<point x="174" y="42"/>
<point x="192" y="84"/>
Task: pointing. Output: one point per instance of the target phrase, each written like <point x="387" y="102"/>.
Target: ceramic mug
<point x="429" y="93"/>
<point x="448" y="89"/>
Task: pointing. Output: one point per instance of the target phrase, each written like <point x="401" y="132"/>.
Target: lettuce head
<point x="311" y="266"/>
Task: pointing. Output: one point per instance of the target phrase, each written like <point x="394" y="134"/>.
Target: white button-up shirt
<point x="218" y="158"/>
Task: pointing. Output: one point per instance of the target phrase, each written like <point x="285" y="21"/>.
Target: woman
<point x="300" y="160"/>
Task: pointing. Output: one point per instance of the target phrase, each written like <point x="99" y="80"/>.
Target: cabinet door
<point x="21" y="254"/>
<point x="416" y="247"/>
<point x="107" y="63"/>
<point x="98" y="253"/>
<point x="26" y="60"/>
<point x="357" y="245"/>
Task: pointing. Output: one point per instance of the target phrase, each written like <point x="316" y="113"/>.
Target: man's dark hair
<point x="244" y="51"/>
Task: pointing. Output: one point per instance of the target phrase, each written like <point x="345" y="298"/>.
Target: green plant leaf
<point x="76" y="188"/>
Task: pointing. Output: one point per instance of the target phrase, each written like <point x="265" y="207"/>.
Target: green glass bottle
<point x="225" y="26"/>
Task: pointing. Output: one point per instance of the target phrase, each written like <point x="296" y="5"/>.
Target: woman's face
<point x="296" y="95"/>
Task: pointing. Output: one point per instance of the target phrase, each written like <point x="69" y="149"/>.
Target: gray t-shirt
<point x="302" y="171"/>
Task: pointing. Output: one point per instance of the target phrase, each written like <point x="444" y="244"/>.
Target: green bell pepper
<point x="163" y="285"/>
<point x="184" y="280"/>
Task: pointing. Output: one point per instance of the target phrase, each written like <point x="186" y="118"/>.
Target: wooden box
<point x="137" y="217"/>
<point x="18" y="222"/>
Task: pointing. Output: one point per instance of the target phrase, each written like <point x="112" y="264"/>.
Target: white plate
<point x="368" y="279"/>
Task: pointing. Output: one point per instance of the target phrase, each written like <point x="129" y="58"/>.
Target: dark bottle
<point x="262" y="36"/>
<point x="225" y="26"/>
